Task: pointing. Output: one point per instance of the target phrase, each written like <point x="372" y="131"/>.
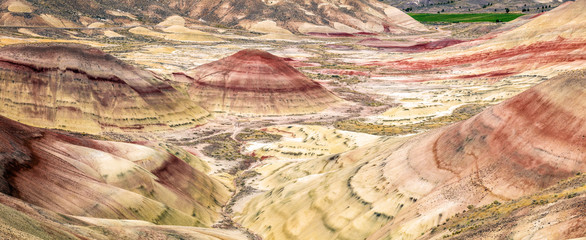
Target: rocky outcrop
<point x="79" y="88"/>
<point x="256" y="82"/>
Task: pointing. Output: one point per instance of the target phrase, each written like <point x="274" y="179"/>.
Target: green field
<point x="465" y="17"/>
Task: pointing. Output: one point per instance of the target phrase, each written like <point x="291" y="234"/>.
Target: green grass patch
<point x="465" y="17"/>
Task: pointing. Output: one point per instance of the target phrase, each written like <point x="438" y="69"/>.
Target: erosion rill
<point x="80" y="88"/>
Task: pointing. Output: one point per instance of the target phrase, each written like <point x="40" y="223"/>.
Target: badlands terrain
<point x="290" y="119"/>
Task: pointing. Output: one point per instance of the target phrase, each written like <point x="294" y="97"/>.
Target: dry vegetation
<point x="459" y="114"/>
<point x="222" y="146"/>
<point x="257" y="135"/>
<point x="478" y="221"/>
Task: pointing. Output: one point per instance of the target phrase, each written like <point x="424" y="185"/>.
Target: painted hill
<point x="402" y="188"/>
<point x="552" y="41"/>
<point x="101" y="179"/>
<point x="256" y="82"/>
<point x="79" y="88"/>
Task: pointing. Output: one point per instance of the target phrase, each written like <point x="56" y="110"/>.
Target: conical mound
<point x="256" y="82"/>
<point x="80" y="88"/>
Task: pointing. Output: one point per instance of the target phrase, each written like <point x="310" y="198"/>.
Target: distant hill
<point x="270" y="16"/>
<point x="79" y="13"/>
<point x="304" y="16"/>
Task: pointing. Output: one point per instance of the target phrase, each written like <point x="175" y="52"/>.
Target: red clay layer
<point x="417" y="47"/>
<point x="366" y="33"/>
<point x="334" y="34"/>
<point x="559" y="50"/>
